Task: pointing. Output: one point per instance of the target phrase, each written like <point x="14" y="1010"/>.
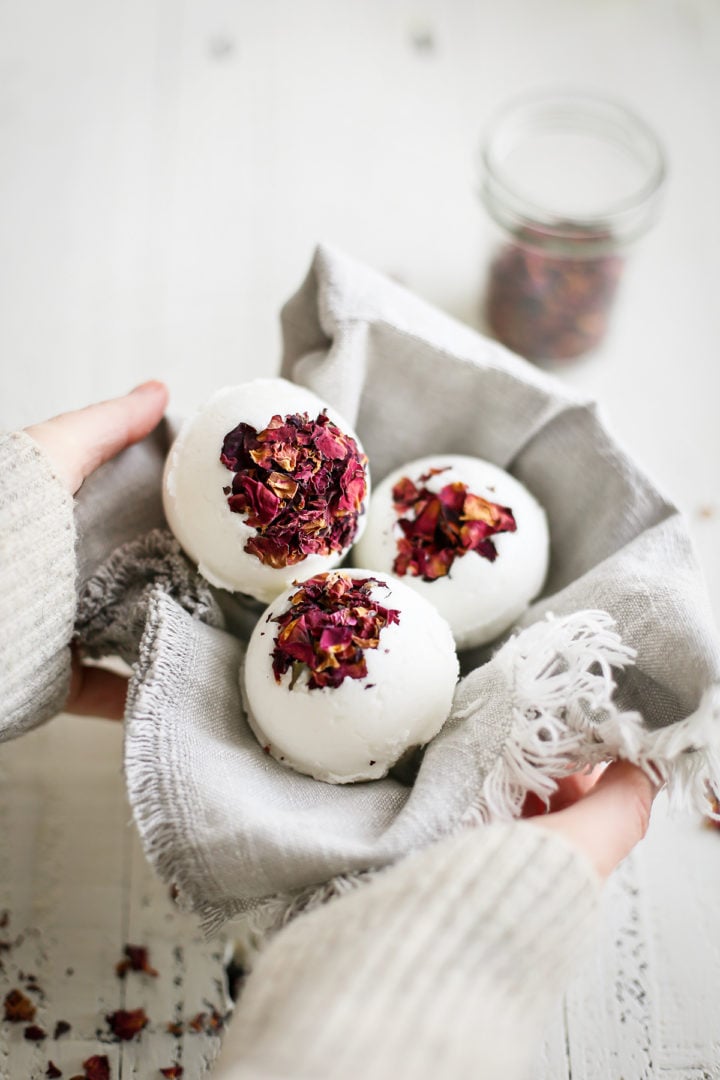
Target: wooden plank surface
<point x="77" y="889"/>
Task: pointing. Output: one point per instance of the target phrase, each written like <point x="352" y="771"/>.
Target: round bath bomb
<point x="264" y="485"/>
<point x="465" y="535"/>
<point x="345" y="672"/>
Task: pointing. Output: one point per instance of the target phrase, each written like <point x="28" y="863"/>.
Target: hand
<point x="604" y="817"/>
<point x="77" y="443"/>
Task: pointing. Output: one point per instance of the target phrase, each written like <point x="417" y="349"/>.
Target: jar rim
<point x="627" y="216"/>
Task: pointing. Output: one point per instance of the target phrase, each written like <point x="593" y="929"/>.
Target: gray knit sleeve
<point x="445" y="965"/>
<point x="37" y="586"/>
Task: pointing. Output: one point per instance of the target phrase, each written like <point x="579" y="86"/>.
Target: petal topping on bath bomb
<point x="347" y="671"/>
<point x="464" y="534"/>
<point x="264" y="485"/>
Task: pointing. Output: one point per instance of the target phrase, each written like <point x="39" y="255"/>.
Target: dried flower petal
<point x="198" y="1022"/>
<point x="126" y="1024"/>
<point x="176" y="1028"/>
<point x="301" y="484"/>
<point x="34" y="1033"/>
<point x="61" y="1028"/>
<point x="209" y="1023"/>
<point x="329" y="624"/>
<point x="443" y="526"/>
<point x="18" y="1008"/>
<point x="215" y="1021"/>
<point x="52" y="1072"/>
<point x="97" y="1067"/>
<point x="546" y="302"/>
<point x="173" y="1072"/>
<point x="136" y="959"/>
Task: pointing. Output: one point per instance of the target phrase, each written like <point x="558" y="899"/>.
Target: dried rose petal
<point x="97" y="1067"/>
<point x="127" y="1024"/>
<point x="443" y="526"/>
<point x="198" y="1022"/>
<point x="330" y="622"/>
<point x="34" y="1033"/>
<point x="209" y="1023"/>
<point x="136" y="959"/>
<point x="52" y="1072"/>
<point x="61" y="1028"/>
<point x="173" y="1072"/>
<point x="214" y="1022"/>
<point x="546" y="303"/>
<point x="301" y="484"/>
<point x="18" y="1008"/>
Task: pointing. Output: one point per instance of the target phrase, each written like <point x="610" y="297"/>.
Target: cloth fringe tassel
<point x="565" y="721"/>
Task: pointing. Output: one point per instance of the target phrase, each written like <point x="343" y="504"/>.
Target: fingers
<point x="78" y="442"/>
<point x="569" y="790"/>
<point x="96" y="692"/>
<point x="610" y="819"/>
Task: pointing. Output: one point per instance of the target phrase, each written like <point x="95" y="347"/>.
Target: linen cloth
<point x="628" y="665"/>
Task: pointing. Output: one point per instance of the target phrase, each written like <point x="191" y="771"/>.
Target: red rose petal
<point x="34" y="1033"/>
<point x="329" y="624"/>
<point x="210" y="1022"/>
<point x="136" y="959"/>
<point x="443" y="526"/>
<point x="97" y="1067"/>
<point x="126" y="1024"/>
<point x="300" y="483"/>
<point x="18" y="1008"/>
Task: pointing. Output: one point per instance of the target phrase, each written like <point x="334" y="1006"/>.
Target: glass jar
<point x="571" y="180"/>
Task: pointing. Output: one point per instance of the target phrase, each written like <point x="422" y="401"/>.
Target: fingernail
<point x="152" y="386"/>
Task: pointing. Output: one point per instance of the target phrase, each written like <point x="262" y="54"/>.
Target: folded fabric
<point x="618" y="657"/>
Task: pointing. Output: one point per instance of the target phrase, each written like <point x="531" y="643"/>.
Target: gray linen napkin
<point x="617" y="658"/>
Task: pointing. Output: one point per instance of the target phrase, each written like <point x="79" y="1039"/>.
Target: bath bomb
<point x="265" y="484"/>
<point x="465" y="535"/>
<point x="345" y="672"/>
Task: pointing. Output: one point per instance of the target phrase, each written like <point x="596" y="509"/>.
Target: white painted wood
<point x="165" y="170"/>
<point x="77" y="889"/>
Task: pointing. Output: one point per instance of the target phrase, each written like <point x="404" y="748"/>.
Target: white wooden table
<point x="166" y="167"/>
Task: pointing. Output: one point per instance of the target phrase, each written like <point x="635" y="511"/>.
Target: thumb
<point x="611" y="819"/>
<point x="78" y="442"/>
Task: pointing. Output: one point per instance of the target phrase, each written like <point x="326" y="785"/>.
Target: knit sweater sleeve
<point x="37" y="586"/>
<point x="445" y="965"/>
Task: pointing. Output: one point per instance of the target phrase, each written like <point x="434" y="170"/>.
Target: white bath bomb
<point x="346" y="672"/>
<point x="286" y="500"/>
<point x="465" y="535"/>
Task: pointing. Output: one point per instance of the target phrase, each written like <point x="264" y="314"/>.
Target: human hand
<point x="77" y="443"/>
<point x="604" y="817"/>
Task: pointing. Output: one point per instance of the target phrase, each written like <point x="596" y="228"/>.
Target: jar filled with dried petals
<point x="571" y="181"/>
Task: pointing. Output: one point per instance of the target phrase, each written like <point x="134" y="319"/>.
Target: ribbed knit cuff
<point x="445" y="965"/>
<point x="37" y="586"/>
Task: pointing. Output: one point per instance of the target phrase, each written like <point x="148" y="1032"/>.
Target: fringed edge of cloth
<point x="565" y="720"/>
